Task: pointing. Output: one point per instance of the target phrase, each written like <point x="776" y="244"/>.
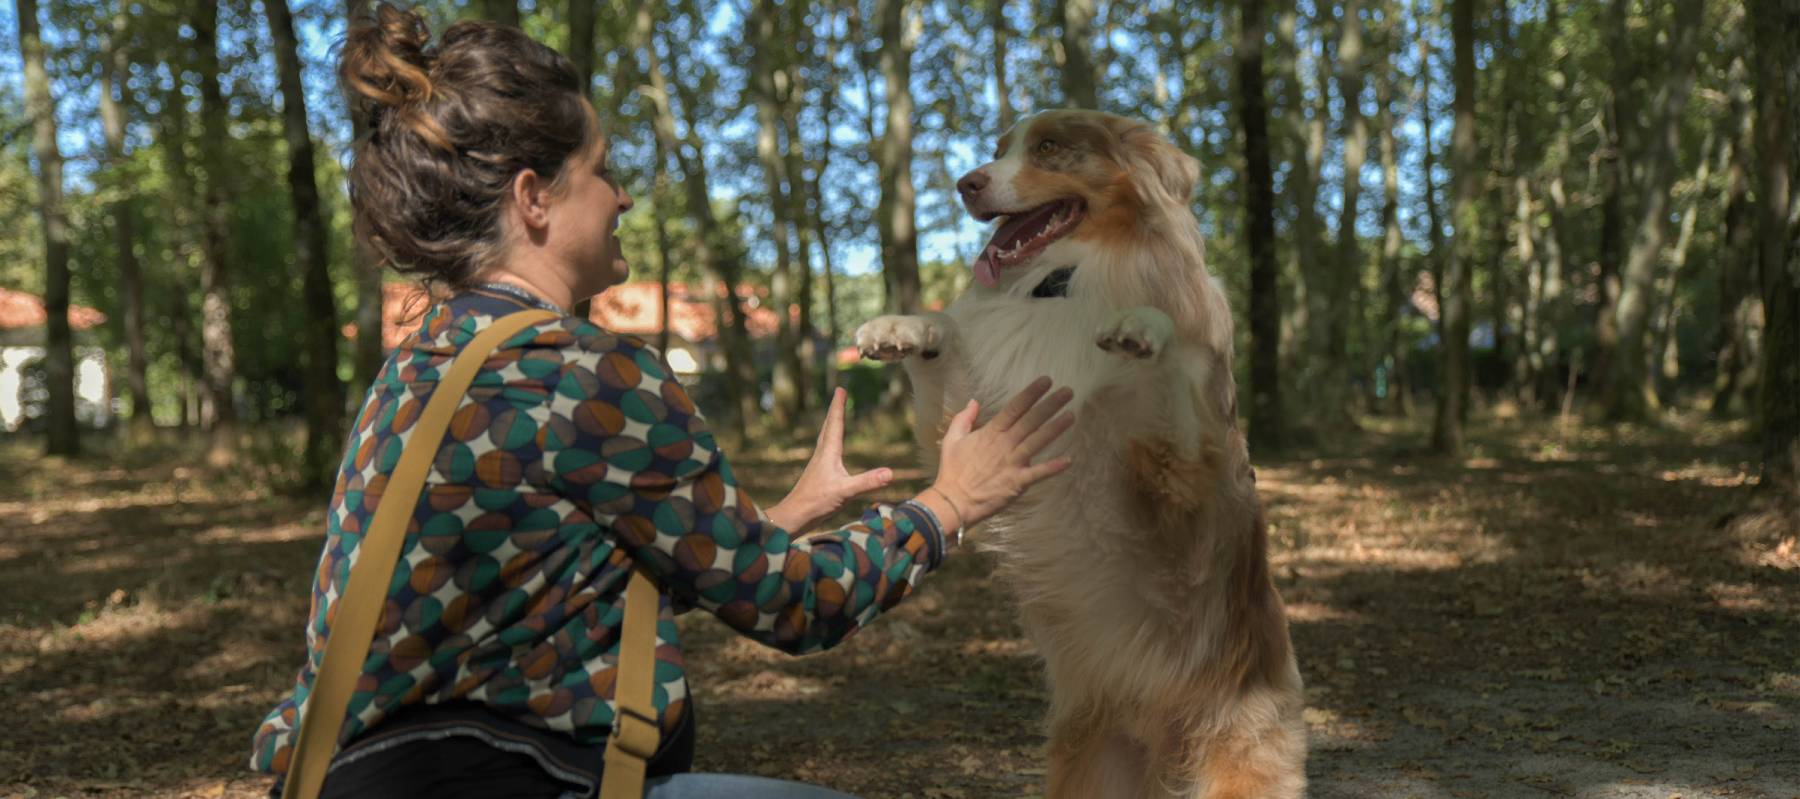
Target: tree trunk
<point x="59" y="344"/>
<point x="505" y="12"/>
<point x="324" y="394"/>
<point x="895" y="219"/>
<point x="1002" y="90"/>
<point x="794" y="156"/>
<point x="1395" y="280"/>
<point x="1777" y="82"/>
<point x="1628" y="394"/>
<point x="1306" y="145"/>
<point x="1737" y="267"/>
<point x="659" y="218"/>
<point x="1074" y="19"/>
<point x="1665" y="361"/>
<point x="369" y="354"/>
<point x="1447" y="432"/>
<point x="1333" y="390"/>
<point x="1259" y="220"/>
<point x="1552" y="312"/>
<point x="740" y="368"/>
<point x="215" y="276"/>
<point x="581" y="41"/>
<point x="113" y="70"/>
<point x="788" y="371"/>
<point x="1615" y="146"/>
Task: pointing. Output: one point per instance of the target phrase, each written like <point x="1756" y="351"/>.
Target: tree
<point x="1777" y="82"/>
<point x="1453" y="395"/>
<point x="215" y="275"/>
<point x="368" y="355"/>
<point x="1628" y="393"/>
<point x="1345" y="271"/>
<point x="324" y="394"/>
<point x="505" y="12"/>
<point x="789" y="373"/>
<point x="59" y="346"/>
<point x="1002" y="90"/>
<point x="1395" y="281"/>
<point x="1259" y="219"/>
<point x="581" y="40"/>
<point x="114" y="69"/>
<point x="1075" y="21"/>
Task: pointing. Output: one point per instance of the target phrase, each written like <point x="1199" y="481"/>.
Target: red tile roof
<point x="634" y="308"/>
<point x="20" y="309"/>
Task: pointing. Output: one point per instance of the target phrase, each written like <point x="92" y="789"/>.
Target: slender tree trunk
<point x="1504" y="160"/>
<point x="1552" y="314"/>
<point x="1334" y="390"/>
<point x="581" y="41"/>
<point x="1306" y="147"/>
<point x="1665" y="361"/>
<point x="1394" y="278"/>
<point x="505" y="12"/>
<point x="1616" y="145"/>
<point x="1628" y="394"/>
<point x="795" y="163"/>
<point x="180" y="217"/>
<point x="369" y="353"/>
<point x="1259" y="220"/>
<point x="1447" y="433"/>
<point x="740" y="374"/>
<point x="659" y="217"/>
<point x="895" y="218"/>
<point x="324" y="394"/>
<point x="1777" y="83"/>
<point x="59" y="344"/>
<point x="1074" y="19"/>
<point x="816" y="193"/>
<point x="215" y="274"/>
<point x="788" y="371"/>
<point x="1737" y="267"/>
<point x="113" y="70"/>
<point x="1002" y="88"/>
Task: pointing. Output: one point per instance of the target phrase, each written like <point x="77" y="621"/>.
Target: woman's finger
<point x="833" y="428"/>
<point x="1044" y="435"/>
<point x="1021" y="402"/>
<point x="962" y="422"/>
<point x="1042" y="411"/>
<point x="1048" y="468"/>
<point x="868" y="481"/>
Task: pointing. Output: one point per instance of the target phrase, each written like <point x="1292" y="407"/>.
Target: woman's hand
<point x="981" y="471"/>
<point x="826" y="485"/>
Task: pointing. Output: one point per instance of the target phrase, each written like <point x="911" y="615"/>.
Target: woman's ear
<point x="530" y="195"/>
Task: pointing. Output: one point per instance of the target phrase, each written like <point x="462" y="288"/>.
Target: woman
<point x="574" y="460"/>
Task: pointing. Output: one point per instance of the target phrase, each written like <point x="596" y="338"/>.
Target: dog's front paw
<point x="892" y="338"/>
<point x="1138" y="333"/>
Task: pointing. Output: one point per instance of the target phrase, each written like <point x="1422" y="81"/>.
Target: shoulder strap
<point x="635" y="733"/>
<point x="359" y="607"/>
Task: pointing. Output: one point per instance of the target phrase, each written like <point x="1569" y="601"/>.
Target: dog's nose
<point x="972" y="183"/>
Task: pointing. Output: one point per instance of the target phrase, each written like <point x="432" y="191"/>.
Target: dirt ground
<point x="1566" y="612"/>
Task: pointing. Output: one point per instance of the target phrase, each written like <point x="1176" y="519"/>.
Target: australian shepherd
<point x="1142" y="572"/>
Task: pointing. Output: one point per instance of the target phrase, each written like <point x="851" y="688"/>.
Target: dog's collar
<point x="1056" y="284"/>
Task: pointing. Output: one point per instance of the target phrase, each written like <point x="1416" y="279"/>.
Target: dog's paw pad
<point x="1136" y="333"/>
<point x="894" y="338"/>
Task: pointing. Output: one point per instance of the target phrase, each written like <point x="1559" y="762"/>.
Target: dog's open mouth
<point x="1023" y="235"/>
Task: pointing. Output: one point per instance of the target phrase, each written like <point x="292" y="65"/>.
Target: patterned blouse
<point x="575" y="455"/>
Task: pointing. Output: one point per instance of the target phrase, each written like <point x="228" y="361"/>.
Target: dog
<point x="1141" y="573"/>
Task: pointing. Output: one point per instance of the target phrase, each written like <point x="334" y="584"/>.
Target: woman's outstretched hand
<point x="982" y="470"/>
<point x="826" y="485"/>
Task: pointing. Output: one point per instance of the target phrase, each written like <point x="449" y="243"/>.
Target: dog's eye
<point x="1046" y="147"/>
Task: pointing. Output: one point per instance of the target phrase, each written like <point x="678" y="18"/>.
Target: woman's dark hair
<point x="450" y="126"/>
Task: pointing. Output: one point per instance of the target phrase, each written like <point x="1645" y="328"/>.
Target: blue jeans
<point x="733" y="786"/>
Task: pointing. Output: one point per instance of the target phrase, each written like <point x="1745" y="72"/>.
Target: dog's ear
<point x="1154" y="162"/>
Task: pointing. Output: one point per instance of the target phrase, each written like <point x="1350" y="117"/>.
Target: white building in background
<point x="22" y="393"/>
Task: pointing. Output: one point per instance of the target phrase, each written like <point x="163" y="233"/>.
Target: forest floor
<point x="1568" y="611"/>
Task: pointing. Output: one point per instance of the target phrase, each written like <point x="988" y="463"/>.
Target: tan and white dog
<point x="1142" y="572"/>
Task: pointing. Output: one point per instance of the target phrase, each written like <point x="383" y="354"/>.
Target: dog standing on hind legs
<point x="1141" y="573"/>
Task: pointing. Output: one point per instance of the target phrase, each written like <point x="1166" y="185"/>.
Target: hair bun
<point x="384" y="58"/>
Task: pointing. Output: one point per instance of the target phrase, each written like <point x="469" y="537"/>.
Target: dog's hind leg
<point x="1094" y="763"/>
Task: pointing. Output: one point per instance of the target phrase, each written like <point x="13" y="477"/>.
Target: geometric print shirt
<point x="575" y="456"/>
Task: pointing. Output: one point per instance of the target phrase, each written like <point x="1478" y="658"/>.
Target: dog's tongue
<point x="986" y="272"/>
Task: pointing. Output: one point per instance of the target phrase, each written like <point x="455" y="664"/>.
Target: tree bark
<point x="1394" y="276"/>
<point x="1777" y="82"/>
<point x="764" y="69"/>
<point x="1628" y="393"/>
<point x="1665" y="360"/>
<point x="215" y="275"/>
<point x="1737" y="267"/>
<point x="1546" y="355"/>
<point x="582" y="15"/>
<point x="740" y="374"/>
<point x="1074" y="19"/>
<point x="369" y="354"/>
<point x="59" y="345"/>
<point x="1447" y="432"/>
<point x="324" y="394"/>
<point x="505" y="12"/>
<point x="1333" y="390"/>
<point x="1266" y="431"/>
<point x="113" y="72"/>
<point x="896" y="221"/>
<point x="1615" y="145"/>
<point x="1002" y="88"/>
<point x="1306" y="147"/>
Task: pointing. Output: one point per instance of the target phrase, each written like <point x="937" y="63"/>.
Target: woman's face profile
<point x="586" y="220"/>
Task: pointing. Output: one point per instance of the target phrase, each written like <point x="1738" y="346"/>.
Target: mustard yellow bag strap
<point x="359" y="606"/>
<point x="635" y="733"/>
